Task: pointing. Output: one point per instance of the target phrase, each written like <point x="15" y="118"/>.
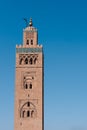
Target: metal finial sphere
<point x="30" y="24"/>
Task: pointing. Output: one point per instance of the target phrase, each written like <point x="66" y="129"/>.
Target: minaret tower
<point x="29" y="89"/>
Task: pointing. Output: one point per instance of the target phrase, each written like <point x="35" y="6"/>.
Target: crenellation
<point x="25" y="46"/>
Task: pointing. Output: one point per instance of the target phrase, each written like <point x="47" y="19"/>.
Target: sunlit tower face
<point x="29" y="89"/>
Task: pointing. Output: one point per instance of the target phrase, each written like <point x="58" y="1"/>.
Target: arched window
<point x="27" y="42"/>
<point x="28" y="113"/>
<point x="32" y="113"/>
<point x="31" y="42"/>
<point x="35" y="60"/>
<point x="30" y="86"/>
<point x="26" y="61"/>
<point x="26" y="86"/>
<point x="23" y="114"/>
<point x="21" y="61"/>
<point x="28" y="110"/>
<point x="31" y="61"/>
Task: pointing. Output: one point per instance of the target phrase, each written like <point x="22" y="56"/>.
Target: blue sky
<point x="62" y="28"/>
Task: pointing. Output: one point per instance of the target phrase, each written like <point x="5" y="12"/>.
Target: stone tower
<point x="29" y="86"/>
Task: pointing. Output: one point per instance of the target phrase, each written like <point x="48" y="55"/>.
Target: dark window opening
<point x="31" y="42"/>
<point x="28" y="113"/>
<point x="30" y="86"/>
<point x="26" y="61"/>
<point x="28" y="104"/>
<point x="26" y="86"/>
<point x="27" y="42"/>
<point x="31" y="61"/>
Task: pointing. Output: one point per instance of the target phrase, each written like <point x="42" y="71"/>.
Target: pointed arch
<point x="31" y="61"/>
<point x="21" y="61"/>
<point x="32" y="113"/>
<point x="35" y="60"/>
<point x="23" y="114"/>
<point x="26" y="61"/>
<point x="28" y="110"/>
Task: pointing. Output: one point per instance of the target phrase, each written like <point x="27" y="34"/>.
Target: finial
<point x="30" y="24"/>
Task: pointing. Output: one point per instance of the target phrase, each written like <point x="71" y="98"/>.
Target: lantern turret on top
<point x="30" y="35"/>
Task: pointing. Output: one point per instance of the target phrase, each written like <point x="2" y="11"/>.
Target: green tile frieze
<point x="27" y="50"/>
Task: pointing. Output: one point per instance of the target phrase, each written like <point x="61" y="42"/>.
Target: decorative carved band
<point x="27" y="50"/>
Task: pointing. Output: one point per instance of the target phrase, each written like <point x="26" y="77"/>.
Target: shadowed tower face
<point x="29" y="111"/>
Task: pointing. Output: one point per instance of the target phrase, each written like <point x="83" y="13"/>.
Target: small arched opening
<point x="31" y="61"/>
<point x="21" y="61"/>
<point x="28" y="113"/>
<point x="26" y="61"/>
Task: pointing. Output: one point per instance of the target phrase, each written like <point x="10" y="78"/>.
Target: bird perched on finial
<point x="26" y="21"/>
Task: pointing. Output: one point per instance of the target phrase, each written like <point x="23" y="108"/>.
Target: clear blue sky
<point x="62" y="27"/>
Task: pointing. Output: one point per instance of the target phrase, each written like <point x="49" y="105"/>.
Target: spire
<point x="30" y="23"/>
